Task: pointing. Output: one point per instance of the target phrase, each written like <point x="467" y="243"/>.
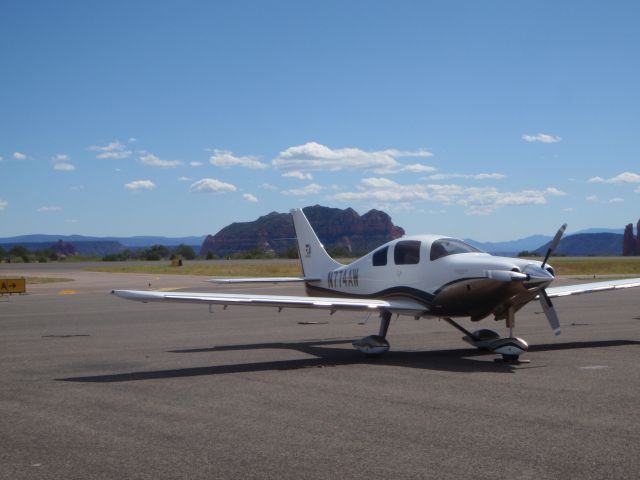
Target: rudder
<point x="314" y="259"/>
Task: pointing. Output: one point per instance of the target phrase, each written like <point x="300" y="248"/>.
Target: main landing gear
<point x="375" y="345"/>
<point x="510" y="348"/>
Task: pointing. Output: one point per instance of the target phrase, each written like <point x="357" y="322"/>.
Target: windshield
<point x="449" y="246"/>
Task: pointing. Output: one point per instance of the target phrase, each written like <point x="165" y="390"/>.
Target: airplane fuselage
<point x="449" y="277"/>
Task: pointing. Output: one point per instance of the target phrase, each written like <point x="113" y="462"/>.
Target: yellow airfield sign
<point x="12" y="285"/>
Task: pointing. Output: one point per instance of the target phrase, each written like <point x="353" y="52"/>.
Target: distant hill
<point x="587" y="244"/>
<point x="511" y="248"/>
<point x="134" y="242"/>
<point x="600" y="230"/>
<point x="87" y="249"/>
<point x="334" y="226"/>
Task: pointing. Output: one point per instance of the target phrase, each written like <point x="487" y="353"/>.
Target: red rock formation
<point x="335" y="228"/>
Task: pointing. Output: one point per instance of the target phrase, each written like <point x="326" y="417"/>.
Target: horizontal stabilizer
<point x="229" y="280"/>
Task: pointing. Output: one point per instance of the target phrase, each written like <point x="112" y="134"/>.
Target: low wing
<point x="593" y="287"/>
<point x="229" y="280"/>
<point x="401" y="306"/>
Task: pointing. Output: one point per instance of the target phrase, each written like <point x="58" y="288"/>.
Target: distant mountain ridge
<point x="336" y="228"/>
<point x="600" y="230"/>
<point x="135" y="241"/>
<point x="587" y="245"/>
<point x="97" y="246"/>
<point x="513" y="247"/>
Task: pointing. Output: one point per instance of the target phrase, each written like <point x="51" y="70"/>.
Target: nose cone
<point x="538" y="274"/>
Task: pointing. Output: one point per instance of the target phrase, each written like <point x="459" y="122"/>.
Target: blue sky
<point x="491" y="120"/>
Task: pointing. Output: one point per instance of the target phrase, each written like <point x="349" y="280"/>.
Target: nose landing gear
<point x="510" y="348"/>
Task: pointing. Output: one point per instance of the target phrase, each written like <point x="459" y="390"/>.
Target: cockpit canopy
<point x="450" y="246"/>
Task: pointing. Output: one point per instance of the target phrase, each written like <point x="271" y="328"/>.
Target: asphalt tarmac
<point x="96" y="387"/>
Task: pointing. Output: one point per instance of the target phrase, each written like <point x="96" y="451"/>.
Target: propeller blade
<point x="550" y="311"/>
<point x="554" y="243"/>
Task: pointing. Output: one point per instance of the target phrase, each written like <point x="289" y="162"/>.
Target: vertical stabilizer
<point x="315" y="260"/>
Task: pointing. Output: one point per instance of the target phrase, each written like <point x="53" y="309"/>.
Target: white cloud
<point x="616" y="200"/>
<point x="541" y="137"/>
<point x="225" y="158"/>
<point x="479" y="176"/>
<point x="19" y="156"/>
<point x="418" y="168"/>
<point x="151" y="160"/>
<point x="110" y="147"/>
<point x="298" y="174"/>
<point x="62" y="163"/>
<point x="625" y="177"/>
<point x="140" y="185"/>
<point x="71" y="220"/>
<point x="185" y="179"/>
<point x="1" y="158"/>
<point x="314" y="156"/>
<point x="64" y="167"/>
<point x="132" y="140"/>
<point x="592" y="198"/>
<point x="384" y="190"/>
<point x="3" y="204"/>
<point x="196" y="164"/>
<point x="476" y="201"/>
<point x="114" y="150"/>
<point x="249" y="198"/>
<point x="568" y="209"/>
<point x="637" y="190"/>
<point x="49" y="208"/>
<point x="311" y="189"/>
<point x="554" y="192"/>
<point x="483" y="201"/>
<point x="408" y="153"/>
<point x="115" y="155"/>
<point x="268" y="186"/>
<point x="207" y="185"/>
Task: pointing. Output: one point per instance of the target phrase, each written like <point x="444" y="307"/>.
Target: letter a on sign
<point x="12" y="285"/>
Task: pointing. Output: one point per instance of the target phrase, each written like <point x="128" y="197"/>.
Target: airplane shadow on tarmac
<point x="325" y="354"/>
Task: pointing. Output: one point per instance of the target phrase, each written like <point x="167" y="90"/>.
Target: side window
<point x="380" y="257"/>
<point x="407" y="252"/>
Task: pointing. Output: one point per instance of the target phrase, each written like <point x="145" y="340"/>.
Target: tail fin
<point x="315" y="260"/>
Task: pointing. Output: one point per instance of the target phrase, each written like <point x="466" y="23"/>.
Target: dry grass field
<point x="565" y="266"/>
<point x="216" y="268"/>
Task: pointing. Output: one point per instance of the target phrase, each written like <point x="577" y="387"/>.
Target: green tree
<point x="3" y="253"/>
<point x="127" y="254"/>
<point x="20" y="252"/>
<point x="185" y="251"/>
<point x="156" y="252"/>
<point x="291" y="252"/>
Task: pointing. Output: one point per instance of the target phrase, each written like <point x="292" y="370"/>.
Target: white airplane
<point x="428" y="276"/>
